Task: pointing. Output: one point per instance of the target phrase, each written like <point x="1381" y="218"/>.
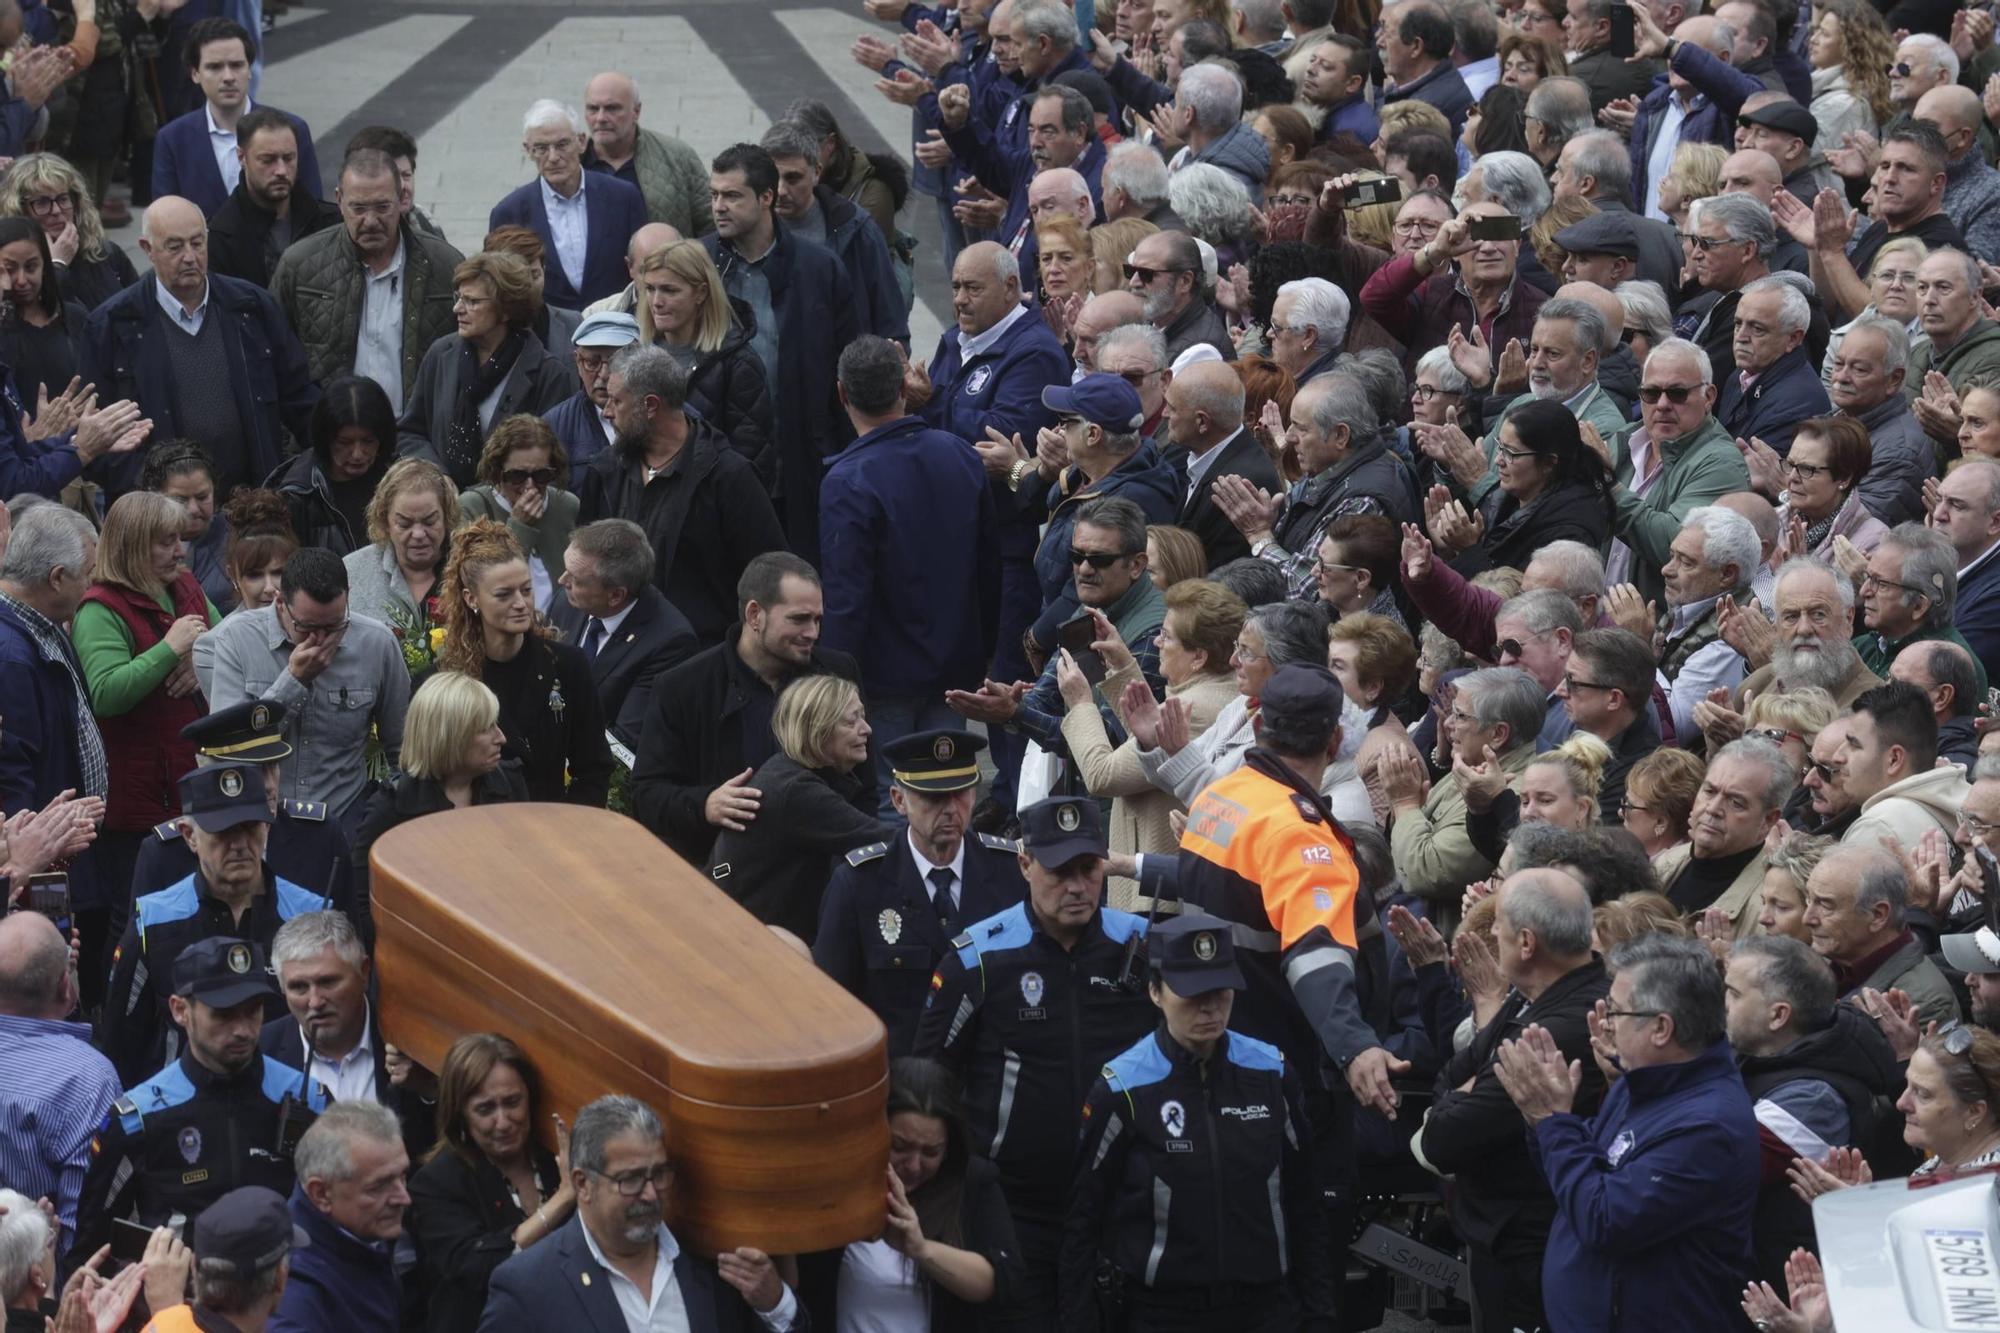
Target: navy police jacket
<point x="1194" y="1173"/>
<point x="305" y="847"/>
<point x="180" y="1140"/>
<point x="1027" y="1025"/>
<point x="879" y="935"/>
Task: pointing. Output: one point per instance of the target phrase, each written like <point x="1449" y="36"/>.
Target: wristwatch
<point x="1019" y="470"/>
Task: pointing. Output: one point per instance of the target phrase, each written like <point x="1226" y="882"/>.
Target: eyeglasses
<point x="470" y="302"/>
<point x="1295" y="200"/>
<point x="1517" y="453"/>
<point x="538" y="151"/>
<point x="632" y="1184"/>
<point x="1417" y="226"/>
<point x="521" y="476"/>
<point x="1777" y="735"/>
<point x="1570" y="682"/>
<point x="1803" y="471"/>
<point x="1627" y="808"/>
<point x="1135" y="378"/>
<point x="44" y="204"/>
<point x="1705" y="243"/>
<point x="1977" y="827"/>
<point x="1146" y="275"/>
<point x="1673" y="393"/>
<point x="1245" y="654"/>
<point x="303" y="628"/>
<point x="1911" y="588"/>
<point x="1096" y="559"/>
<point x="1633" y="1013"/>
<point x="1511" y="647"/>
<point x="1322" y="566"/>
<point x="1423" y="393"/>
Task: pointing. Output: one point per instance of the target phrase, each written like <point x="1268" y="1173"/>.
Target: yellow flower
<point x="437" y="640"/>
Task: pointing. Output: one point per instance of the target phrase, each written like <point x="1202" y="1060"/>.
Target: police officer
<point x="231" y="891"/>
<point x="1185" y="1137"/>
<point x="306" y="847"/>
<point x="217" y="1117"/>
<point x="1026" y="1009"/>
<point x="891" y="909"/>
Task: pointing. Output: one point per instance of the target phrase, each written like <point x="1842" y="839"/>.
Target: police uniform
<point x="1027" y="1025"/>
<point x="179" y="1140"/>
<point x="882" y="925"/>
<point x="138" y="1033"/>
<point x="1194" y="1174"/>
<point x="306" y="846"/>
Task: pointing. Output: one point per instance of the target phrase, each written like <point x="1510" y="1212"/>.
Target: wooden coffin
<point x="620" y="969"/>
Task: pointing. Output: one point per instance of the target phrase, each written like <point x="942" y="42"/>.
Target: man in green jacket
<point x="1676" y="459"/>
<point x="1907" y="597"/>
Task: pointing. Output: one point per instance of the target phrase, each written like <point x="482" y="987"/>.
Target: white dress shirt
<point x="189" y="324"/>
<point x="1199" y="464"/>
<point x="1480" y="76"/>
<point x="1661" y="160"/>
<point x="569" y="228"/>
<point x="957" y="868"/>
<point x="352" y="1077"/>
<point x="378" y="350"/>
<point x="971" y="345"/>
<point x="222" y="143"/>
<point x="664" y="1311"/>
<point x="1714" y="665"/>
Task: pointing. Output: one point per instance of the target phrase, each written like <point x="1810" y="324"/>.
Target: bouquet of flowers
<point x="420" y="638"/>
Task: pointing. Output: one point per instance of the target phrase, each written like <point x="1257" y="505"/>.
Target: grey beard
<point x="1545" y="389"/>
<point x="1157" y="305"/>
<point x="1825" y="669"/>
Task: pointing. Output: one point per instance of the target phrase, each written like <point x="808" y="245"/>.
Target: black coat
<point x="778" y="866"/>
<point x="1570" y="512"/>
<point x="985" y="1228"/>
<point x="1199" y="513"/>
<point x="728" y="387"/>
<point x="317" y="520"/>
<point x="652" y="638"/>
<point x="282" y="1040"/>
<point x="412" y="798"/>
<point x="554" y="723"/>
<point x="707" y="516"/>
<point x="694" y="740"/>
<point x="240" y="229"/>
<point x="463" y="1217"/>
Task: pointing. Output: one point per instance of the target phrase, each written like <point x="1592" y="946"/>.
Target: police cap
<point x="1304" y="695"/>
<point x="222" y="972"/>
<point x="1062" y="828"/>
<point x="935" y="761"/>
<point x="247" y="733"/>
<point x="245" y="1233"/>
<point x="222" y="796"/>
<point x="1194" y="953"/>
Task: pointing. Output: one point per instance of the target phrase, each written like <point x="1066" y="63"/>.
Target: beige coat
<point x="1139" y="810"/>
<point x="1434" y="852"/>
<point x="1742" y="901"/>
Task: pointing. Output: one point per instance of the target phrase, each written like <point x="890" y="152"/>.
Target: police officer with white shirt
<point x="1026" y="1009"/>
<point x="1194" y="1178"/>
<point x="892" y="907"/>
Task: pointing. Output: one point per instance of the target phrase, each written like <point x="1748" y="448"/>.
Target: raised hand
<point x="1718" y="723"/>
<point x="1176" y="726"/>
<point x="1459" y="528"/>
<point x="1141" y="714"/>
<point x="1512" y="376"/>
<point x="908" y="89"/>
<point x="1748" y="630"/>
<point x="1070" y="680"/>
<point x="1595" y="439"/>
<point x="1404" y="781"/>
<point x="1618" y="115"/>
<point x="1471" y="355"/>
<point x="1648" y="41"/>
<point x="1532" y="1068"/>
<point x="954" y="105"/>
<point x="1416" y="554"/>
<point x="1795" y="217"/>
<point x="1630" y="611"/>
<point x="1767" y="470"/>
<point x="1714" y="928"/>
<point x="930" y="48"/>
<point x="1603" y="1050"/>
<point x="1856" y="157"/>
<point x="871" y="52"/>
<point x="1417" y="936"/>
<point x="1895" y="1013"/>
<point x="1253" y="510"/>
<point x="1480" y="783"/>
<point x="1833" y="222"/>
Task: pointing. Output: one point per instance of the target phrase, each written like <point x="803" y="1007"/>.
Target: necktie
<point x="593" y="637"/>
<point x="940" y="879"/>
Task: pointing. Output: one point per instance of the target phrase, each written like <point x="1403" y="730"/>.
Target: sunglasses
<point x="1899" y="70"/>
<point x="1096" y="559"/>
<point x="1826" y="771"/>
<point x="1777" y="735"/>
<point x="1957" y="1038"/>
<point x="521" y="476"/>
<point x="1673" y="393"/>
<point x="1507" y="648"/>
<point x="1571" y="683"/>
<point x="1146" y="275"/>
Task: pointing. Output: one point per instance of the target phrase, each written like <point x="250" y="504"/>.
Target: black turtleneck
<point x="1706" y="877"/>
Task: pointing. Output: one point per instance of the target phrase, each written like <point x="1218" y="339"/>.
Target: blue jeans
<point x="898" y="716"/>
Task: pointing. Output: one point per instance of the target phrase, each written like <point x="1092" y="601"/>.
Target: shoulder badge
<point x="962" y="941"/>
<point x="999" y="844"/>
<point x="1307" y="810"/>
<point x="168" y="832"/>
<point x="861" y="856"/>
<point x="313" y="810"/>
<point x="125" y="1106"/>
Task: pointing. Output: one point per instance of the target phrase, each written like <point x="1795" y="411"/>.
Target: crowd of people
<point x="1422" y="633"/>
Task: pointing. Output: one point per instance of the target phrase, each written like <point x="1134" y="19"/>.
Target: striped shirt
<point x="55" y="1089"/>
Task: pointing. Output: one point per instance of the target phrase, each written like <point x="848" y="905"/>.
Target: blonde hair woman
<point x="452" y="758"/>
<point x="1787" y="866"/>
<point x="1173" y="554"/>
<point x="1694" y="172"/>
<point x="1561" y="787"/>
<point x="1111" y="244"/>
<point x="1194" y="641"/>
<point x="815" y="803"/>
<point x="1659" y="799"/>
<point x="134" y="637"/>
<point x="549" y="705"/>
<point x="48" y="189"/>
<point x="394" y="578"/>
<point x="682" y="306"/>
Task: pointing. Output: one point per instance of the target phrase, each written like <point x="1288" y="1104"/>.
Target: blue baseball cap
<point x="1102" y="400"/>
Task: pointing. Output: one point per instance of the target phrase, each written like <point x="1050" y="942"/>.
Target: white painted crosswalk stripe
<point x="324" y="85"/>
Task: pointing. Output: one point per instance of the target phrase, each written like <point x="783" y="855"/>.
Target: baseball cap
<point x="1788" y="117"/>
<point x="1103" y="400"/>
<point x="244" y="1233"/>
<point x="607" y="328"/>
<point x="222" y="972"/>
<point x="1976" y="952"/>
<point x="1062" y="828"/>
<point x="222" y="796"/>
<point x="1194" y="953"/>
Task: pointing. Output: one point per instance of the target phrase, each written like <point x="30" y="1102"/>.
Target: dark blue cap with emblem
<point x="244" y="1233"/>
<point x="1301" y="695"/>
<point x="1194" y="953"/>
<point x="251" y="732"/>
<point x="935" y="761"/>
<point x="219" y="798"/>
<point x="222" y="972"/>
<point x="1102" y="400"/>
<point x="1062" y="828"/>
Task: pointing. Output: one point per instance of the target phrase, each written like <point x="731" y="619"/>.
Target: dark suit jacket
<point x="652" y="638"/>
<point x="613" y="210"/>
<point x="1978" y="611"/>
<point x="283" y="1042"/>
<point x="557" y="1287"/>
<point x="184" y="164"/>
<point x="463" y="1218"/>
<point x="1199" y="513"/>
